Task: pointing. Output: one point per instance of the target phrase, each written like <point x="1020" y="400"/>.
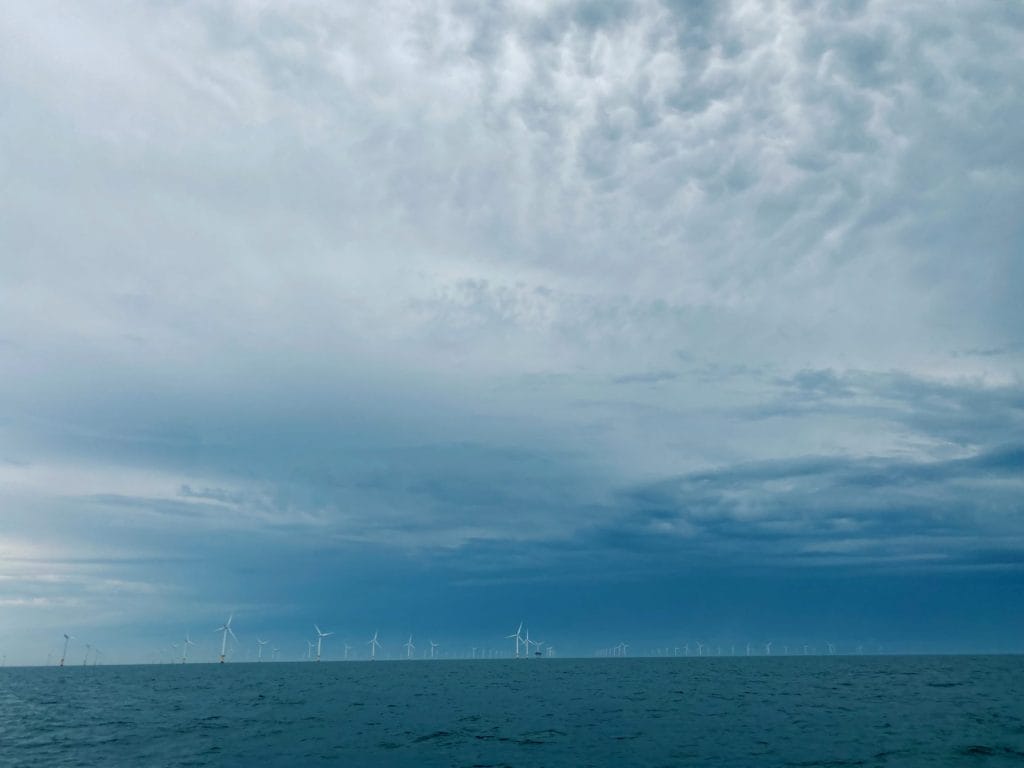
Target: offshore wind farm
<point x="516" y="383"/>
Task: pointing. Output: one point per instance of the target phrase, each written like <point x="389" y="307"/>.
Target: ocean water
<point x="793" y="711"/>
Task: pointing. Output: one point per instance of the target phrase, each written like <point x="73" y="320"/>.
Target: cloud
<point x="540" y="284"/>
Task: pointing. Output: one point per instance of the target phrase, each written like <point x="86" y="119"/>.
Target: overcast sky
<point x="652" y="321"/>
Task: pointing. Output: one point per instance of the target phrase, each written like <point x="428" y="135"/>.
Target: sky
<point x="646" y="322"/>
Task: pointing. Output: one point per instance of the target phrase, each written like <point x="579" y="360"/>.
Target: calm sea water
<point x="815" y="711"/>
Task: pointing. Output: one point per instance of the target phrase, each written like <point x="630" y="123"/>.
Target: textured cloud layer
<point x="535" y="285"/>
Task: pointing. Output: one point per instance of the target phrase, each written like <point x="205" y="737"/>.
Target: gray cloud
<point x="520" y="283"/>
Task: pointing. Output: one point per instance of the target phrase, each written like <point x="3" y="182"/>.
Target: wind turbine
<point x="700" y="648"/>
<point x="433" y="648"/>
<point x="309" y="650"/>
<point x="831" y="648"/>
<point x="67" y="639"/>
<point x="259" y="648"/>
<point x="184" y="648"/>
<point x="227" y="630"/>
<point x="517" y="636"/>
<point x="88" y="648"/>
<point x="768" y="648"/>
<point x="347" y="649"/>
<point x="409" y="648"/>
<point x="374" y="645"/>
<point x="319" y="639"/>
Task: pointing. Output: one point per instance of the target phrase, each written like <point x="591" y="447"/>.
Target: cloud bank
<point x="578" y="292"/>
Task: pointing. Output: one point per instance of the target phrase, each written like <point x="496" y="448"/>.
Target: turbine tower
<point x="517" y="637"/>
<point x="67" y="639"/>
<point x="226" y="630"/>
<point x="309" y="650"/>
<point x="319" y="639"/>
<point x="259" y="648"/>
<point x="184" y="648"/>
<point x="409" y="648"/>
<point x="374" y="645"/>
<point x="433" y="647"/>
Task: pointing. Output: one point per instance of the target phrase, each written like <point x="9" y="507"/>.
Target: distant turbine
<point x="309" y="650"/>
<point x="409" y="648"/>
<point x="67" y="639"/>
<point x="831" y="648"/>
<point x="374" y="645"/>
<point x="319" y="639"/>
<point x="768" y="648"/>
<point x="700" y="648"/>
<point x="517" y="637"/>
<point x="347" y="649"/>
<point x="184" y="648"/>
<point x="86" y="659"/>
<point x="259" y="648"/>
<point x="433" y="648"/>
<point x="227" y="630"/>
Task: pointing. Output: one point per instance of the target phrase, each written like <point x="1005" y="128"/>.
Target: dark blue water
<point x="816" y="711"/>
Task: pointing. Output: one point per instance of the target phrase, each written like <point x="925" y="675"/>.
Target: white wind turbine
<point x="309" y="650"/>
<point x="67" y="639"/>
<point x="831" y="648"/>
<point x="88" y="648"/>
<point x="517" y="636"/>
<point x="226" y="630"/>
<point x="409" y="648"/>
<point x="374" y="645"/>
<point x="319" y="639"/>
<point x="768" y="648"/>
<point x="347" y="649"/>
<point x="700" y="648"/>
<point x="433" y="649"/>
<point x="259" y="648"/>
<point x="184" y="648"/>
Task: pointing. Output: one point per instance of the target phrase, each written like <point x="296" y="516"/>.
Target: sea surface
<point x="792" y="711"/>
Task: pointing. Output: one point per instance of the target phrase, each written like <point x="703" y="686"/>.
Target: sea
<point x="767" y="711"/>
